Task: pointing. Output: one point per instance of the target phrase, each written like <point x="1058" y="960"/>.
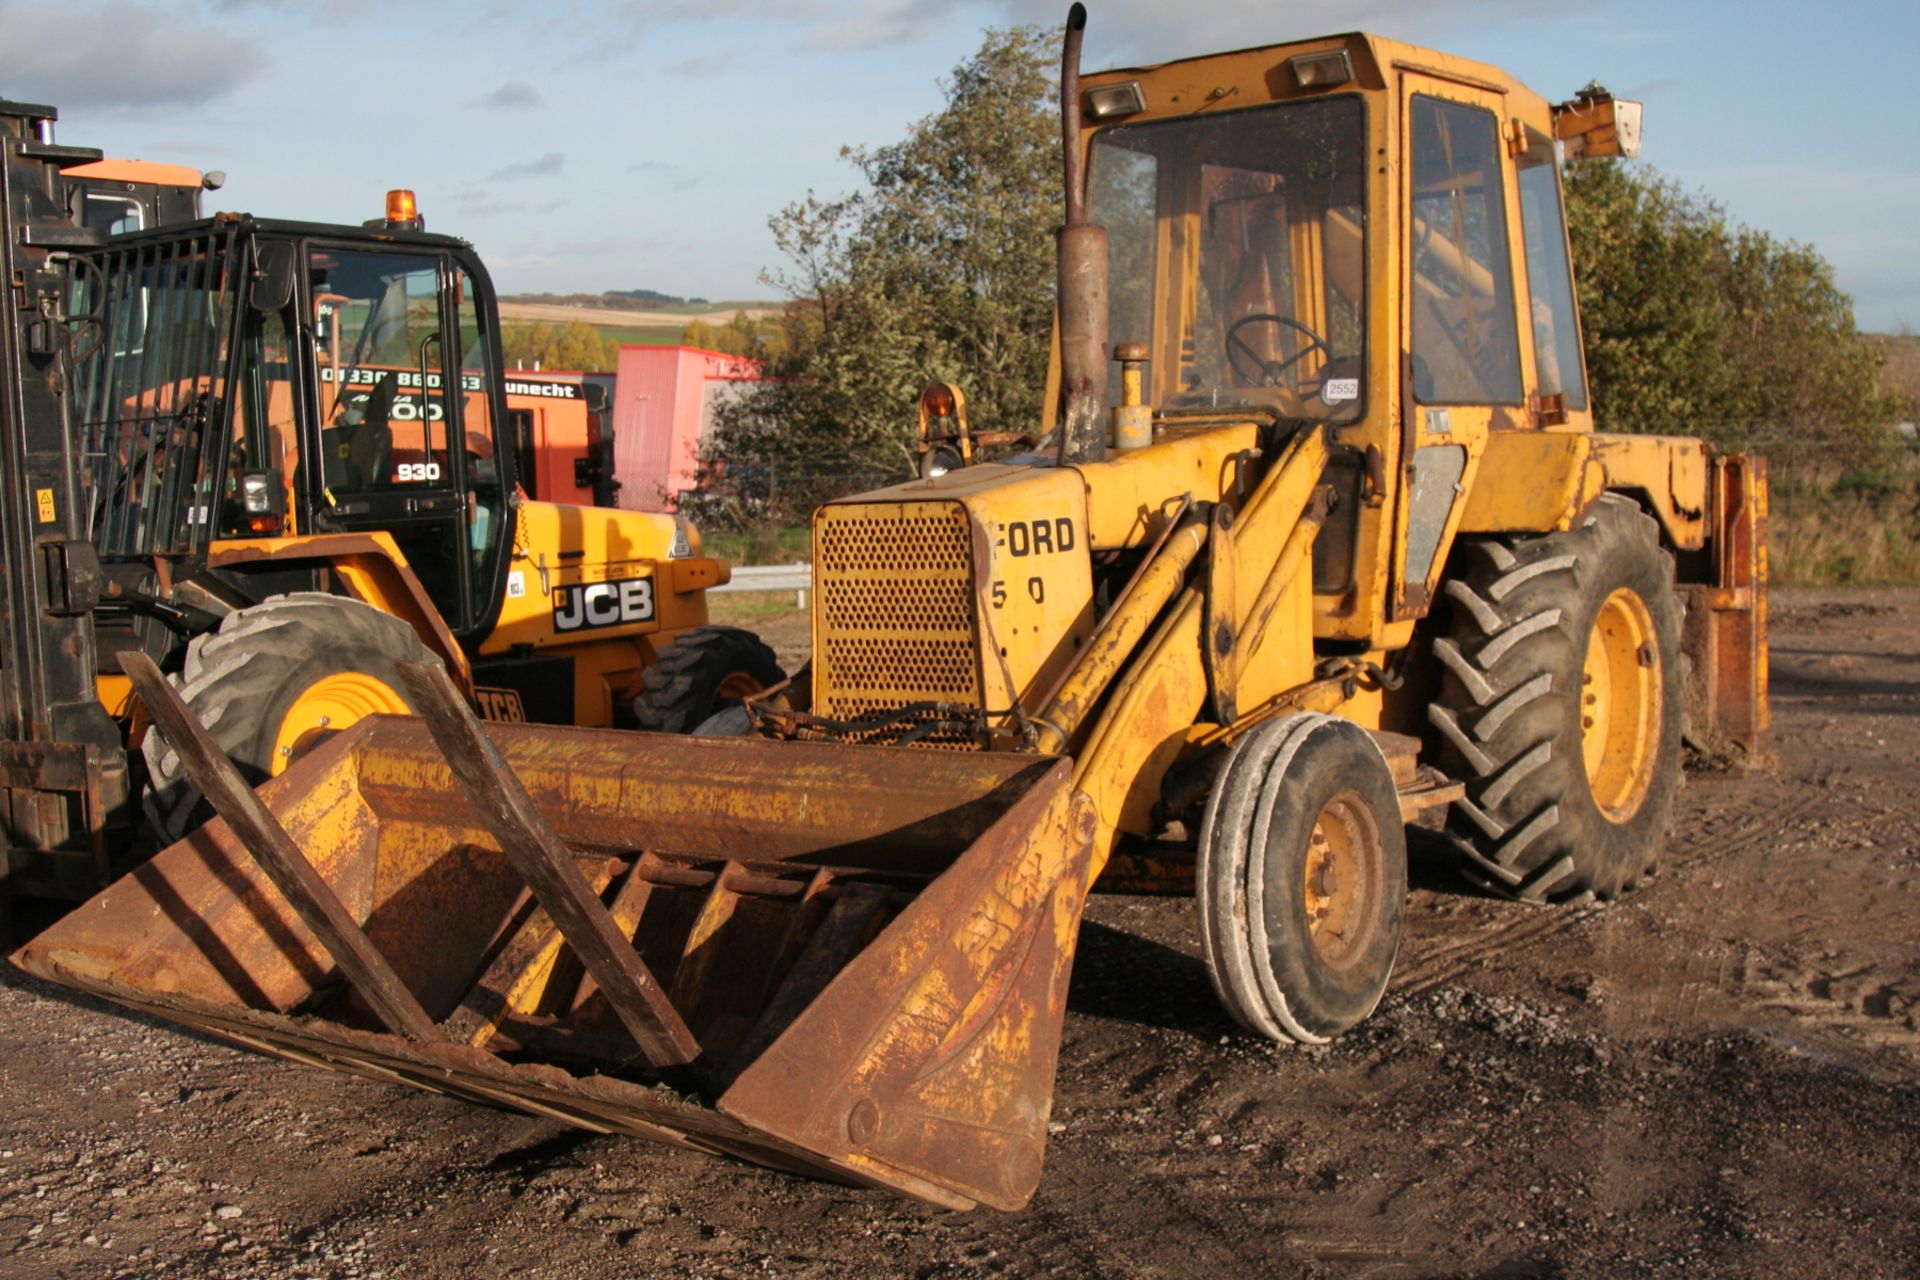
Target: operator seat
<point x="357" y="457"/>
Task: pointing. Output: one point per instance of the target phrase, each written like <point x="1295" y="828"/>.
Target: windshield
<point x="1237" y="249"/>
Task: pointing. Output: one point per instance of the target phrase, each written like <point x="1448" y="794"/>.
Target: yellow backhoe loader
<point x="1340" y="551"/>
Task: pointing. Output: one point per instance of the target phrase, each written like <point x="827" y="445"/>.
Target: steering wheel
<point x="1267" y="373"/>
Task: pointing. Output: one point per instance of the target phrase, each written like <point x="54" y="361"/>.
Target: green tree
<point x="1696" y="324"/>
<point x="1643" y="255"/>
<point x="763" y="337"/>
<point x="1790" y="333"/>
<point x="1900" y="368"/>
<point x="575" y="345"/>
<point x="941" y="267"/>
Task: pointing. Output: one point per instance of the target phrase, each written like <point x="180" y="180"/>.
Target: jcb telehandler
<point x="275" y="457"/>
<point x="1342" y="551"/>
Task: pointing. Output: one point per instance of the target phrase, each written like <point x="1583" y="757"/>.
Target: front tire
<point x="1302" y="878"/>
<point x="1561" y="706"/>
<point x="707" y="670"/>
<point x="270" y="683"/>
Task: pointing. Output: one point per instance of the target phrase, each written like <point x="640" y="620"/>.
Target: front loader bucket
<point x="862" y="952"/>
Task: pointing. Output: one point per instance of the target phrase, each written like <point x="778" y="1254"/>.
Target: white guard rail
<point x="797" y="578"/>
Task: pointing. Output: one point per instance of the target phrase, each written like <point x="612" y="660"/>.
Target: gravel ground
<point x="1717" y="1076"/>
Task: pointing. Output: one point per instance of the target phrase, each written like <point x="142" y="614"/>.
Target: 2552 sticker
<point x="603" y="604"/>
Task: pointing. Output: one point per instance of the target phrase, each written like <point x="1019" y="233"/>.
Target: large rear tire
<point x="1561" y="706"/>
<point x="273" y="681"/>
<point x="707" y="670"/>
<point x="1302" y="878"/>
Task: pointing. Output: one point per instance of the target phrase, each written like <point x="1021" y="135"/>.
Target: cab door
<point x="388" y="434"/>
<point x="1462" y="370"/>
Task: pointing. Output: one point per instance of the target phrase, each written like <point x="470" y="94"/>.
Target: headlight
<point x="257" y="493"/>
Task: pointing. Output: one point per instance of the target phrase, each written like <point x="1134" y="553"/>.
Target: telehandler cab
<point x="1341" y="551"/>
<point x="276" y="458"/>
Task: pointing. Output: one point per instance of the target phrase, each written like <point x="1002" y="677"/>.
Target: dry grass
<point x="1900" y="367"/>
<point x="752" y="609"/>
<point x="1847" y="543"/>
<point x="1832" y="528"/>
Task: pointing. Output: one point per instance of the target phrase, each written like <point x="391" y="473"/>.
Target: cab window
<point x="1556" y="328"/>
<point x="380" y="358"/>
<point x="114" y="215"/>
<point x="1466" y="347"/>
<point x="486" y="492"/>
<point x="1237" y="247"/>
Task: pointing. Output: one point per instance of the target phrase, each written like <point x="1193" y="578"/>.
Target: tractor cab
<point x="268" y="408"/>
<point x="1357" y="235"/>
<point x="256" y="380"/>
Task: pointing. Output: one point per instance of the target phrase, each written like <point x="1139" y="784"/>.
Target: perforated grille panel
<point x="895" y="583"/>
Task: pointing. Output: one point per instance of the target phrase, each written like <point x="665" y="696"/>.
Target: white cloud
<point x="866" y="24"/>
<point x="120" y="56"/>
<point x="1136" y="31"/>
<point x="1117" y="30"/>
<point x="547" y="166"/>
<point x="513" y="95"/>
<point x="701" y="67"/>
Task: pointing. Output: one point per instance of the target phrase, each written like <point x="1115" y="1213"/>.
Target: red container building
<point x="664" y="401"/>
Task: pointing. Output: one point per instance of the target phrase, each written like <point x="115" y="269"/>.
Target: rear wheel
<point x="1302" y="878"/>
<point x="707" y="670"/>
<point x="1561" y="706"/>
<point x="271" y="683"/>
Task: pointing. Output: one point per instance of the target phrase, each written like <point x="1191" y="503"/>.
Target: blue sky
<point x="596" y="144"/>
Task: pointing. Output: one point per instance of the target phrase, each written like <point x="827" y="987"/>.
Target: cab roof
<point x="1248" y="77"/>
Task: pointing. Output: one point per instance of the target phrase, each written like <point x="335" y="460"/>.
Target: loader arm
<point x="1157" y="700"/>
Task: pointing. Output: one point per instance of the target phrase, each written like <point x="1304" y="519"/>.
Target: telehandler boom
<point x="1340" y="550"/>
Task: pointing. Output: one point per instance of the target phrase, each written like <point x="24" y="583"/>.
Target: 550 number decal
<point x="603" y="604"/>
<point x="1041" y="537"/>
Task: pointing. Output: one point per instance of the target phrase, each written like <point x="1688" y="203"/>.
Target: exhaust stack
<point x="1082" y="279"/>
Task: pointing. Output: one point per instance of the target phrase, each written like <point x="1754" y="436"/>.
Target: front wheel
<point x="1302" y="878"/>
<point x="707" y="670"/>
<point x="272" y="682"/>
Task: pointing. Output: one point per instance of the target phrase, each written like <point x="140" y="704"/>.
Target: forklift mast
<point x="62" y="764"/>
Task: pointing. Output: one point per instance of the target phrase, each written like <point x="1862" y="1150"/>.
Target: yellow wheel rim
<point x="1620" y="707"/>
<point x="328" y="705"/>
<point x="1342" y="880"/>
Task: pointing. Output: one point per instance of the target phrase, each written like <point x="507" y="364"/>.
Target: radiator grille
<point x="895" y="584"/>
